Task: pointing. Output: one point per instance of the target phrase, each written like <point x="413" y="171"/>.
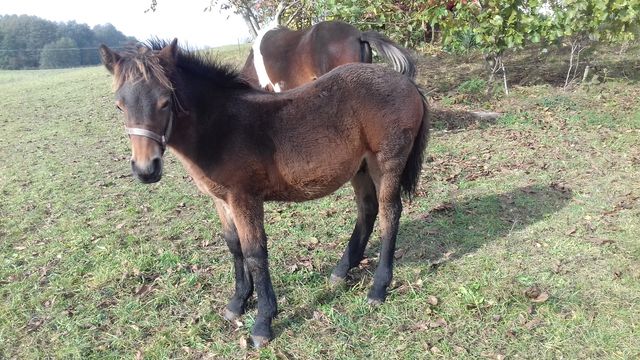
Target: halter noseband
<point x="160" y="139"/>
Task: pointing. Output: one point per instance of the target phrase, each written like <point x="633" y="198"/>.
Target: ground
<point x="521" y="243"/>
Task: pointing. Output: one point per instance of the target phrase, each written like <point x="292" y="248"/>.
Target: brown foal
<point x="242" y="146"/>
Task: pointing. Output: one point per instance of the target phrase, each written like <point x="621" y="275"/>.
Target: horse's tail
<point x="400" y="58"/>
<point x="412" y="169"/>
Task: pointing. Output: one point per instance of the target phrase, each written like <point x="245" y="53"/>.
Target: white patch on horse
<point x="258" y="60"/>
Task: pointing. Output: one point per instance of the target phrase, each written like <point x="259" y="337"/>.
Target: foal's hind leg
<point x="387" y="179"/>
<point x="244" y="281"/>
<point x="367" y="202"/>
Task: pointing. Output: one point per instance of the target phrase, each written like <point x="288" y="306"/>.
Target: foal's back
<point x="323" y="131"/>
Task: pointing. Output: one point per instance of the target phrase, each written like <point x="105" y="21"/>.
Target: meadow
<point x="521" y="243"/>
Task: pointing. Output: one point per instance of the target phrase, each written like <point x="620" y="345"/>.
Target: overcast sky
<point x="183" y="19"/>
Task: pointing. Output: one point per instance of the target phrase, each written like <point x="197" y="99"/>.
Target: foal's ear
<point x="170" y="52"/>
<point x="109" y="57"/>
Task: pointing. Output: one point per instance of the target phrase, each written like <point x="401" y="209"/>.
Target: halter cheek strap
<point x="160" y="139"/>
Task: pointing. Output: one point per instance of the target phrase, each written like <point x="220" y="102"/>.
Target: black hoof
<point x="230" y="315"/>
<point x="259" y="341"/>
<point x="374" y="301"/>
<point x="336" y="280"/>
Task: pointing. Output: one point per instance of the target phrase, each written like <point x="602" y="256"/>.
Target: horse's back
<point x="330" y="44"/>
<point x="294" y="58"/>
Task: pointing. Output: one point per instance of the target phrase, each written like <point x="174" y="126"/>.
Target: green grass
<point x="235" y="54"/>
<point x="96" y="265"/>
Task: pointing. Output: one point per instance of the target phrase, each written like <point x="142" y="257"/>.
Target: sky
<point x="182" y="19"/>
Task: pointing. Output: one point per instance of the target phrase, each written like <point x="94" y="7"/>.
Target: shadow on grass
<point x="447" y="232"/>
<point x="451" y="230"/>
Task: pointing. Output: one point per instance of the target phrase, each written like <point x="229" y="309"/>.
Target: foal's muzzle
<point x="150" y="173"/>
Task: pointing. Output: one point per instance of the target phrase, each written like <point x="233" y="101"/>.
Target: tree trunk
<point x="586" y="73"/>
<point x="574" y="47"/>
<point x="504" y="77"/>
<point x="250" y="19"/>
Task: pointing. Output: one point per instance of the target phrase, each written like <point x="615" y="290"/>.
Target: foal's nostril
<point x="156" y="165"/>
<point x="150" y="173"/>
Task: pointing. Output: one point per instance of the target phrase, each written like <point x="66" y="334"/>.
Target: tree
<point x="23" y="38"/>
<point x="84" y="38"/>
<point x="256" y="13"/>
<point x="495" y="27"/>
<point x="62" y="53"/>
<point x="579" y="23"/>
<point x="398" y="19"/>
<point x="108" y="34"/>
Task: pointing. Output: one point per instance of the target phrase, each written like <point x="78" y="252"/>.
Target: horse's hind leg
<point x="244" y="281"/>
<point x="367" y="202"/>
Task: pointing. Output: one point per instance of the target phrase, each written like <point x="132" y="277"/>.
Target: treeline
<point x="29" y="42"/>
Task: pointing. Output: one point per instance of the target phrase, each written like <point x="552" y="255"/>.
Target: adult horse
<point x="244" y="146"/>
<point x="282" y="59"/>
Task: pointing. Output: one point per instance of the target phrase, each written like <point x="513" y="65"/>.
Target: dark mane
<point x="140" y="61"/>
<point x="204" y="66"/>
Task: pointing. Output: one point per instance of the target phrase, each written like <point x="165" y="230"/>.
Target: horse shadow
<point x="445" y="233"/>
<point x="451" y="230"/>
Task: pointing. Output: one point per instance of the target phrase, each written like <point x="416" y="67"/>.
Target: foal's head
<point x="145" y="95"/>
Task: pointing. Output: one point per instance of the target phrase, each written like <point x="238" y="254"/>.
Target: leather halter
<point x="160" y="139"/>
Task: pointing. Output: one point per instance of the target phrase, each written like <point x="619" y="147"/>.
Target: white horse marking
<point x="258" y="60"/>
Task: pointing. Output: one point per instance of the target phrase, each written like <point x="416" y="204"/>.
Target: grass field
<point x="522" y="243"/>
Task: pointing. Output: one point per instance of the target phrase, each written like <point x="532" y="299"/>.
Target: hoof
<point x="230" y="315"/>
<point x="259" y="341"/>
<point x="336" y="280"/>
<point x="374" y="302"/>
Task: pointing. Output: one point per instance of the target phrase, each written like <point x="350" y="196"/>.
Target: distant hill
<point x="29" y="42"/>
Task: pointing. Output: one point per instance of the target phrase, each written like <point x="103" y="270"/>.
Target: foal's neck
<point x="204" y="130"/>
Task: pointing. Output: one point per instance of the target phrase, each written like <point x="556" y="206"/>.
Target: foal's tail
<point x="411" y="173"/>
<point x="391" y="52"/>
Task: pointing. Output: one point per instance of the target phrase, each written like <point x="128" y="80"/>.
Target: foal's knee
<point x="370" y="205"/>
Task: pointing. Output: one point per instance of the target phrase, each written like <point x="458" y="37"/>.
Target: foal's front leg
<point x="244" y="281"/>
<point x="249" y="219"/>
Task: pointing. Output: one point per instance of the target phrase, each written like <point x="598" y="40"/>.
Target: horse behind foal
<point x="283" y="59"/>
<point x="242" y="146"/>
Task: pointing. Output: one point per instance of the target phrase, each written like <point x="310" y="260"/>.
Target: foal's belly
<point x="311" y="177"/>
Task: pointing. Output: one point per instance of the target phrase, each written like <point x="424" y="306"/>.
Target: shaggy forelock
<point x="140" y="62"/>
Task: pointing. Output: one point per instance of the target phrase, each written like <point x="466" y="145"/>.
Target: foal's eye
<point x="119" y="107"/>
<point x="164" y="104"/>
